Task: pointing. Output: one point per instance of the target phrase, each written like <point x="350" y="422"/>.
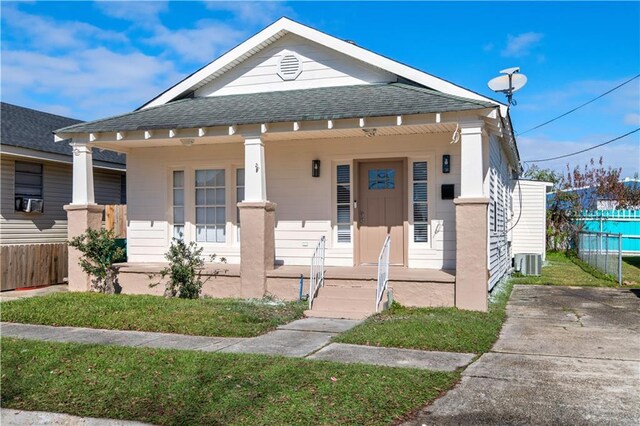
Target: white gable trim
<point x="284" y="26"/>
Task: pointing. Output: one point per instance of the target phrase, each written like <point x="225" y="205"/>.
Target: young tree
<point x="99" y="253"/>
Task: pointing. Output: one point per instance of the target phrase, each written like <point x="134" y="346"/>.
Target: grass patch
<point x="434" y="329"/>
<point x="201" y="317"/>
<point x="170" y="387"/>
<point x="631" y="270"/>
<point x="563" y="270"/>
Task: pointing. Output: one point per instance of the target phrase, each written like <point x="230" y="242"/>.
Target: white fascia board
<point x="32" y="154"/>
<point x="352" y="50"/>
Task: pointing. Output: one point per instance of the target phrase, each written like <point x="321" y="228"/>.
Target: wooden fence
<point x="115" y="218"/>
<point x="30" y="265"/>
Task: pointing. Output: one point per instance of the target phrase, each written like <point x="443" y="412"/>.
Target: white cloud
<point x="521" y="44"/>
<point x="632" y="119"/>
<point x="202" y="44"/>
<point x="45" y="34"/>
<point x="139" y="12"/>
<point x="97" y="82"/>
<point x="261" y="12"/>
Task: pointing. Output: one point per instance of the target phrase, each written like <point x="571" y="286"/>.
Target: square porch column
<point x="83" y="213"/>
<point x="472" y="223"/>
<point x="257" y="218"/>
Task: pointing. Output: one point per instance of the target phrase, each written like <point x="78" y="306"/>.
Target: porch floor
<point x="367" y="272"/>
<point x="362" y="272"/>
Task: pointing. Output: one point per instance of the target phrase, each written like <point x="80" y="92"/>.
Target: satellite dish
<point x="510" y="82"/>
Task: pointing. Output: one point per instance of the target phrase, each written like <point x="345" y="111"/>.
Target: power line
<point x="578" y="107"/>
<point x="583" y="150"/>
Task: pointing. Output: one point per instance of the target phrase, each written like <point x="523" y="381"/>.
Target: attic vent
<point x="289" y="67"/>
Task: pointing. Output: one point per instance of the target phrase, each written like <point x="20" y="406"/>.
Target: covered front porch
<point x="297" y="181"/>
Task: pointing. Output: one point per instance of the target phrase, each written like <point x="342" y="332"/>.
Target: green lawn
<point x="170" y="387"/>
<point x="202" y="317"/>
<point x="565" y="271"/>
<point x="631" y="270"/>
<point x="434" y="329"/>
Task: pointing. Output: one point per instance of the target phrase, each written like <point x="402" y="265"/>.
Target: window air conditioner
<point x="33" y="205"/>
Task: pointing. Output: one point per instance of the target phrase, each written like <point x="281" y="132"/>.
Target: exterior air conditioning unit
<point x="528" y="263"/>
<point x="32" y="205"/>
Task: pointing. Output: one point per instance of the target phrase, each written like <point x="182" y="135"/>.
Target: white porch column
<point x="472" y="222"/>
<point x="257" y="216"/>
<point x="472" y="168"/>
<point x="254" y="170"/>
<point x="83" y="213"/>
<point x="82" y="175"/>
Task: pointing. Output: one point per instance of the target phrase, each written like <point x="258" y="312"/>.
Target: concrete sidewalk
<point x="27" y="418"/>
<point x="564" y="356"/>
<point x="306" y="338"/>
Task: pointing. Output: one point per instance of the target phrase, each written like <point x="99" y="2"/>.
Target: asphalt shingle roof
<point x="327" y="103"/>
<point x="28" y="128"/>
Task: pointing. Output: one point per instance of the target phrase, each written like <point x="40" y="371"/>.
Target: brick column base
<point x="79" y="219"/>
<point x="257" y="246"/>
<point x="471" y="254"/>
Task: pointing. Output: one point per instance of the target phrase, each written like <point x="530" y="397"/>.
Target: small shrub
<point x="99" y="252"/>
<point x="184" y="270"/>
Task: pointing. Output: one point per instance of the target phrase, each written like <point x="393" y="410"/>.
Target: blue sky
<point x="89" y="60"/>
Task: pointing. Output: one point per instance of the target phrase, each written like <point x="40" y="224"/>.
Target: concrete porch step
<point x="364" y="293"/>
<point x="344" y="303"/>
<point x="337" y="314"/>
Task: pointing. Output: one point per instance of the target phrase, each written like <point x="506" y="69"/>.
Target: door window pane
<point x="382" y="179"/>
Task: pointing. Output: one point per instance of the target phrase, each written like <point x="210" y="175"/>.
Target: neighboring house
<point x="36" y="168"/>
<point x="311" y="136"/>
<point x="529" y="233"/>
<point x="589" y="198"/>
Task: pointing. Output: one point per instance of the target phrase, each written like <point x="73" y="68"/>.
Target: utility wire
<point x="583" y="150"/>
<point x="578" y="107"/>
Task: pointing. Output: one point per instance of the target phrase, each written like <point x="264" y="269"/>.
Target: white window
<point x="420" y="205"/>
<point x="239" y="196"/>
<point x="210" y="206"/>
<point x="343" y="221"/>
<point x="178" y="204"/>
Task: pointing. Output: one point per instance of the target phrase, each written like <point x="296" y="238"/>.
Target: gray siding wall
<point x="500" y="189"/>
<point x="50" y="226"/>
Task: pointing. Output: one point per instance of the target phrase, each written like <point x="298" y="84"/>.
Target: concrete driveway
<point x="566" y="356"/>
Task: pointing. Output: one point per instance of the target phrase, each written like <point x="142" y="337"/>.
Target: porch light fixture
<point x="370" y="132"/>
<point x="187" y="142"/>
<point x="315" y="168"/>
<point x="446" y="163"/>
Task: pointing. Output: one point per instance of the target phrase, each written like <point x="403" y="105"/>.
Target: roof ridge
<point x="441" y="94"/>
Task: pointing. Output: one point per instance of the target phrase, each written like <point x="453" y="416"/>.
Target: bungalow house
<point x="35" y="185"/>
<point x="297" y="147"/>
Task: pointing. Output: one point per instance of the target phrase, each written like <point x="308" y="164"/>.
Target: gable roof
<point x="327" y="103"/>
<point x="28" y="128"/>
<point x="285" y="26"/>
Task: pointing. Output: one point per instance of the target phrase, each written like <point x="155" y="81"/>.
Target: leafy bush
<point x="99" y="252"/>
<point x="184" y="270"/>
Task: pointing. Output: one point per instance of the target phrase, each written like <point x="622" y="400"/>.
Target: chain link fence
<point x="602" y="251"/>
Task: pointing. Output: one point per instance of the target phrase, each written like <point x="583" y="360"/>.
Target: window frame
<point x="194" y="205"/>
<point x="23" y="196"/>
<point x="335" y="205"/>
<point x="430" y="182"/>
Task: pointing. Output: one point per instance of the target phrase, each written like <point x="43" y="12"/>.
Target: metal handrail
<point x="316" y="276"/>
<point x="383" y="271"/>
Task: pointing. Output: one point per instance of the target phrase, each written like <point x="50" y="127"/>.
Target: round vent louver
<point x="290" y="66"/>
